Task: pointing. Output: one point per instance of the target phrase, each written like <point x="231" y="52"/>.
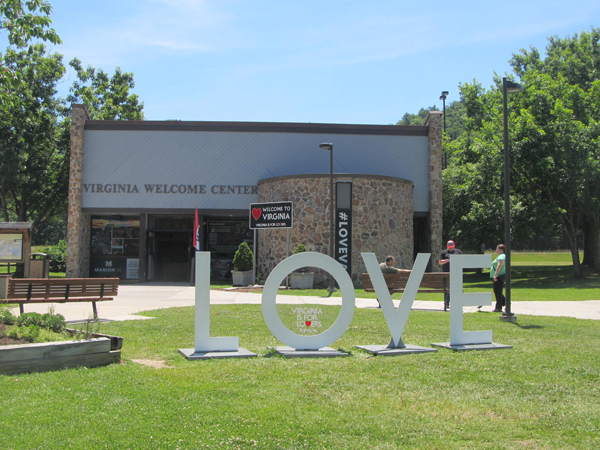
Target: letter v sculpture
<point x="396" y="317"/>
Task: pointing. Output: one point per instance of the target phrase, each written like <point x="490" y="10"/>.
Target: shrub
<point x="49" y="321"/>
<point x="6" y="316"/>
<point x="27" y="319"/>
<point x="54" y="322"/>
<point x="244" y="258"/>
<point x="301" y="248"/>
<point x="58" y="256"/>
<point x="29" y="333"/>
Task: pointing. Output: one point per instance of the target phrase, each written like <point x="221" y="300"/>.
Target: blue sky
<point x="333" y="61"/>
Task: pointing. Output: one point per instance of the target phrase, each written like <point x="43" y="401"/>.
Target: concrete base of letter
<point x="384" y="350"/>
<point x="191" y="354"/>
<point x="462" y="348"/>
<point x="325" y="352"/>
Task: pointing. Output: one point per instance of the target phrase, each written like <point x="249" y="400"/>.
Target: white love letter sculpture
<point x="203" y="341"/>
<point x="396" y="318"/>
<point x="459" y="299"/>
<point x="269" y="301"/>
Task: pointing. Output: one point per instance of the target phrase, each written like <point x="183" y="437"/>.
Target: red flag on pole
<point x="196" y="241"/>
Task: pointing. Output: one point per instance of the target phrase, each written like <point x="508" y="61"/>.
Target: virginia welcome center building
<point x="135" y="185"/>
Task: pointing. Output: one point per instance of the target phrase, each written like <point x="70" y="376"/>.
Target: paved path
<point x="134" y="298"/>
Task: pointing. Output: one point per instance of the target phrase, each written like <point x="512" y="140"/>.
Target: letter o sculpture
<point x="269" y="301"/>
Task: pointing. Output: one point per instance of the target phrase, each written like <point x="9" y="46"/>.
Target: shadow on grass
<point x="529" y="327"/>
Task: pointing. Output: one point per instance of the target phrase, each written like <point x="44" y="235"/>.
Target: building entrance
<point x="172" y="256"/>
<point x="223" y="238"/>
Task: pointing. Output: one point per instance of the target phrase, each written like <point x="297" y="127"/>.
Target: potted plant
<point x="243" y="263"/>
<point x="301" y="278"/>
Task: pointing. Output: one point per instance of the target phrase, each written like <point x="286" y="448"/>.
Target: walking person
<point x="497" y="272"/>
<point x="445" y="263"/>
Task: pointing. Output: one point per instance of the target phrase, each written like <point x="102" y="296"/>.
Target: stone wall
<point x="78" y="223"/>
<point x="382" y="219"/>
<point x="435" y="122"/>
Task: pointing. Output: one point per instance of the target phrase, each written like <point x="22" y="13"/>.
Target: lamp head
<point x="513" y="88"/>
<point x="326" y="146"/>
<point x="443" y="96"/>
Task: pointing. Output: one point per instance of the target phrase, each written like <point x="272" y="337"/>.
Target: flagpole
<point x="195" y="244"/>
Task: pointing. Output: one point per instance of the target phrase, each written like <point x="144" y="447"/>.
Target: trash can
<point x="39" y="265"/>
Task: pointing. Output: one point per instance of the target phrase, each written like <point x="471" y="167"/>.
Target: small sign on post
<point x="270" y="215"/>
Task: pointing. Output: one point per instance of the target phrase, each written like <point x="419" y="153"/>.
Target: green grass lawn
<point x="542" y="394"/>
<point x="535" y="277"/>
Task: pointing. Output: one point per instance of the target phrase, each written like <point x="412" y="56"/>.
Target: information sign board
<point x="271" y="215"/>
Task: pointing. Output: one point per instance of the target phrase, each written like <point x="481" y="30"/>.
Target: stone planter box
<point x="48" y="356"/>
<point x="301" y="280"/>
<point x="242" y="278"/>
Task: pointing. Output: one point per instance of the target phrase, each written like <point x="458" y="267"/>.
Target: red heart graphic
<point x="256" y="213"/>
<point x="308" y="322"/>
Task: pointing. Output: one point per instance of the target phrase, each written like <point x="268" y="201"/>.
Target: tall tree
<point x="577" y="60"/>
<point x="416" y="119"/>
<point x="106" y="98"/>
<point x="35" y="132"/>
<point x="555" y="154"/>
<point x="34" y="139"/>
<point x="473" y="181"/>
<point x="23" y="21"/>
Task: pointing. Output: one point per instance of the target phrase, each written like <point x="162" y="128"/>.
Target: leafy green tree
<point x="27" y="20"/>
<point x="34" y="139"/>
<point x="576" y="60"/>
<point x="416" y="119"/>
<point x="556" y="153"/>
<point x="455" y="113"/>
<point x="35" y="136"/>
<point x="106" y="98"/>
<point x="473" y="184"/>
<point x="23" y="21"/>
<point x="554" y="147"/>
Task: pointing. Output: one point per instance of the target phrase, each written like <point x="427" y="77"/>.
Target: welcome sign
<point x="271" y="215"/>
<point x="396" y="318"/>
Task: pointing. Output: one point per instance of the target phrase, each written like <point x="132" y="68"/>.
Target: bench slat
<point x="61" y="290"/>
<point x="66" y="287"/>
<point x="55" y="300"/>
<point x="431" y="282"/>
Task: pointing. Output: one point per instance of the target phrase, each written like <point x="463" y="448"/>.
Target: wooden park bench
<point x="61" y="290"/>
<point x="432" y="282"/>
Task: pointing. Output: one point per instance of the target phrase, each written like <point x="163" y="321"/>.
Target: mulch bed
<point x="8" y="341"/>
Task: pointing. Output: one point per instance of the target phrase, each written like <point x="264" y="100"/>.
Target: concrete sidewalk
<point x="134" y="298"/>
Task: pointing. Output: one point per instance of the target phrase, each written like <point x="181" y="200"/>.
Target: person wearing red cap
<point x="445" y="263"/>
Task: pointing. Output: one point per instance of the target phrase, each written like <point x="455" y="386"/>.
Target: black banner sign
<point x="271" y="215"/>
<point x="343" y="225"/>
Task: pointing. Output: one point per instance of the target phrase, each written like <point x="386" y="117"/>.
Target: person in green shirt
<point x="497" y="272"/>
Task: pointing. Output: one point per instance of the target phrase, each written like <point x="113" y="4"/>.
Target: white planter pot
<point x="242" y="278"/>
<point x="302" y="280"/>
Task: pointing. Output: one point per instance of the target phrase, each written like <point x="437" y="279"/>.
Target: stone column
<point x="435" y="123"/>
<point x="77" y="222"/>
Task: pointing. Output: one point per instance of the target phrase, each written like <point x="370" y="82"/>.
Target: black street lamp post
<point x="329" y="146"/>
<point x="443" y="98"/>
<point x="508" y="87"/>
